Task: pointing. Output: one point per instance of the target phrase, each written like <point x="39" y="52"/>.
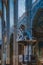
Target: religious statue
<point x="23" y="33"/>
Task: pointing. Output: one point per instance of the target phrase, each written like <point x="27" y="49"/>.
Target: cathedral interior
<point x="22" y="44"/>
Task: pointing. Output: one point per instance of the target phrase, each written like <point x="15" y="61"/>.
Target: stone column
<point x="28" y="4"/>
<point x="3" y="60"/>
<point x="27" y="53"/>
<point x="8" y="32"/>
<point x="15" y="44"/>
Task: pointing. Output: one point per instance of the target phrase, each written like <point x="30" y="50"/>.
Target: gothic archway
<point x="38" y="29"/>
<point x="38" y="25"/>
